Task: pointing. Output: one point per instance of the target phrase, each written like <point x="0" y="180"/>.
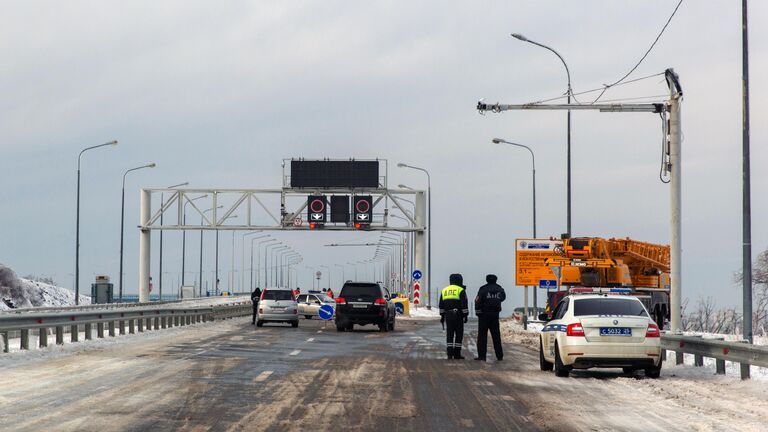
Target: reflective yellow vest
<point x="451" y="292"/>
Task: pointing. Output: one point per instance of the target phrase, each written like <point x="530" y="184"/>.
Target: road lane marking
<point x="295" y="352"/>
<point x="319" y="331"/>
<point x="310" y="339"/>
<point x="262" y="376"/>
<point x="467" y="423"/>
<point x="484" y="383"/>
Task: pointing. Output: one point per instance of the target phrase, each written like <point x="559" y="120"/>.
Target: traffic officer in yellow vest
<point x="454" y="311"/>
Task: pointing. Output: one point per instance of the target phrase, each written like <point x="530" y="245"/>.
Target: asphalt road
<point x="238" y="377"/>
<point x="231" y="376"/>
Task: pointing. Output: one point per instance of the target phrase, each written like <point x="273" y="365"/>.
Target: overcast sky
<point x="218" y="94"/>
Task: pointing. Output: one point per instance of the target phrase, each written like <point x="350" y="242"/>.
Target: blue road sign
<point x="545" y="283"/>
<point x="416" y="274"/>
<point x="325" y="312"/>
<point x="399" y="308"/>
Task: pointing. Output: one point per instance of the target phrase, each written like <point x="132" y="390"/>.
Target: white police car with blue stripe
<point x="600" y="327"/>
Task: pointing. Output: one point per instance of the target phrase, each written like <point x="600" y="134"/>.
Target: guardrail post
<point x="744" y="369"/>
<point x="100" y="329"/>
<point x="720" y="367"/>
<point x="88" y="335"/>
<point x="59" y="335"/>
<point x="74" y="333"/>
<point x="121" y="324"/>
<point x="25" y="339"/>
<point x="131" y="326"/>
<point x="43" y="338"/>
<point x="157" y="323"/>
<point x="164" y="322"/>
<point x="679" y="357"/>
<point x="111" y="328"/>
<point x="698" y="360"/>
<point x="4" y="337"/>
<point x="140" y="322"/>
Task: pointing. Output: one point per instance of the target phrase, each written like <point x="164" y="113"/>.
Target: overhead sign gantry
<point x="356" y="189"/>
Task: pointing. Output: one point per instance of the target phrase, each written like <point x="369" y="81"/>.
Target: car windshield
<point x="608" y="306"/>
<point x="278" y="295"/>
<point x="361" y="291"/>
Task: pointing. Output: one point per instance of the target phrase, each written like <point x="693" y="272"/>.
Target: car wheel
<point x="561" y="370"/>
<point x="308" y="316"/>
<point x="392" y="325"/>
<point x="350" y="326"/>
<point x="259" y="323"/>
<point x="383" y="326"/>
<point x="543" y="363"/>
<point x="295" y="324"/>
<point x="629" y="370"/>
<point x="653" y="372"/>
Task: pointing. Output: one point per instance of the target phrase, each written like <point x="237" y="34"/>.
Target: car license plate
<point x="360" y="306"/>
<point x="615" y="331"/>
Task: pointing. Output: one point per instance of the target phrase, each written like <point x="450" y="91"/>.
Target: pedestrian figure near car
<point x="487" y="307"/>
<point x="255" y="297"/>
<point x="454" y="311"/>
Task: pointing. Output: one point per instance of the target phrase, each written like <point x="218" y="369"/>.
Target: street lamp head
<point x="401" y="165"/>
<point x="497" y="140"/>
<point x="152" y="165"/>
<point x="518" y="36"/>
<point x="112" y="143"/>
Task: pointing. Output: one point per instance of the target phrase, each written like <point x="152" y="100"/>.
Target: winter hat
<point x="491" y="278"/>
<point x="456" y="279"/>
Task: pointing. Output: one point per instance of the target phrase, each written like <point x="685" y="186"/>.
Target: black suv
<point x="364" y="303"/>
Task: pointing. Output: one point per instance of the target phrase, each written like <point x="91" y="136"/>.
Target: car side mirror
<point x="317" y="301"/>
<point x="543" y="317"/>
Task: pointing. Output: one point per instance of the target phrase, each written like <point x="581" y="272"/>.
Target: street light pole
<point x="569" y="93"/>
<point x="162" y="203"/>
<point x="746" y="211"/>
<point x="533" y="170"/>
<point x="429" y="231"/>
<point x="122" y="225"/>
<point x="77" y="223"/>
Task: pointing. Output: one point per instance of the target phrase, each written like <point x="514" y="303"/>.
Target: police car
<point x="600" y="327"/>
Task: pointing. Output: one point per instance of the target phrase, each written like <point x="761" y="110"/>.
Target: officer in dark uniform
<point x="487" y="307"/>
<point x="255" y="297"/>
<point x="454" y="312"/>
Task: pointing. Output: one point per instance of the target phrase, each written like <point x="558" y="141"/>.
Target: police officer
<point x="454" y="312"/>
<point x="255" y="297"/>
<point x="487" y="307"/>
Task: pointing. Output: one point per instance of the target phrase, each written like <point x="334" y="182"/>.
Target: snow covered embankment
<point x="16" y="292"/>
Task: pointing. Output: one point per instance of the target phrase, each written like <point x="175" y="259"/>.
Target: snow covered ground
<point x="422" y="312"/>
<point x="513" y="332"/>
<point x="24" y="293"/>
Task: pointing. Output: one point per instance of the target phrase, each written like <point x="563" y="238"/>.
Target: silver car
<point x="277" y="305"/>
<point x="309" y="304"/>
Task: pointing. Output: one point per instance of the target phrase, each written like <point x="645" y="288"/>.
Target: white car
<point x="600" y="327"/>
<point x="309" y="304"/>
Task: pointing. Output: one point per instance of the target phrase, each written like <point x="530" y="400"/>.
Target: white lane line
<point x="310" y="339"/>
<point x="319" y="331"/>
<point x="295" y="352"/>
<point x="262" y="376"/>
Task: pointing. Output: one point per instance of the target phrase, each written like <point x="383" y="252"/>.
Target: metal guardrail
<point x="111" y="305"/>
<point x="113" y="321"/>
<point x="740" y="352"/>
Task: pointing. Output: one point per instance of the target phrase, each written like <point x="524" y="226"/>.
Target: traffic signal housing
<point x="362" y="211"/>
<point x="317" y="210"/>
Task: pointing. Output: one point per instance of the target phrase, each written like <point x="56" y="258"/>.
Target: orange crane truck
<point x="597" y="262"/>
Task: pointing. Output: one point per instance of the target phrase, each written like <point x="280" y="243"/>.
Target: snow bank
<point x="422" y="312"/>
<point x="16" y="292"/>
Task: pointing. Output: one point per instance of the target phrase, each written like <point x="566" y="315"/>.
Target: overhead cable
<point x="607" y="86"/>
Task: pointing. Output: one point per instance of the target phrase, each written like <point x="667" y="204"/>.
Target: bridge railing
<point x="743" y="353"/>
<point x="112" y="321"/>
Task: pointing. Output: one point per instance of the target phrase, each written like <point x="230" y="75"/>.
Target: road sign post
<point x="325" y="312"/>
